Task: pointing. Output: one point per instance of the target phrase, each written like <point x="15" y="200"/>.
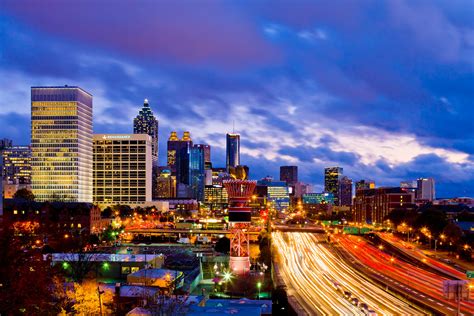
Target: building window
<point x="125" y="270"/>
<point x="15" y="212"/>
<point x="134" y="269"/>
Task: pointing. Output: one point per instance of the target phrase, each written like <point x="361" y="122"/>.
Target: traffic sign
<point x="470" y="274"/>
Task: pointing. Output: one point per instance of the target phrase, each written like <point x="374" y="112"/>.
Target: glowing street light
<point x="259" y="285"/>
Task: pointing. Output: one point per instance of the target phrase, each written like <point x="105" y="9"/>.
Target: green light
<point x="227" y="276"/>
<point x="65" y="265"/>
<point x="105" y="266"/>
<point x="259" y="284"/>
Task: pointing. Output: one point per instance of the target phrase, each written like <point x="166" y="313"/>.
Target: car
<point x="370" y="312"/>
<point x="364" y="307"/>
<point x="355" y="301"/>
<point x="347" y="294"/>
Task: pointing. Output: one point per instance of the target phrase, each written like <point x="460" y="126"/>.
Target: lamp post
<point x="100" y="292"/>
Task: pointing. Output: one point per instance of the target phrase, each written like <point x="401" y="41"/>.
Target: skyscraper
<point x="345" y="191"/>
<point x="122" y="168"/>
<point x="232" y="150"/>
<point x="332" y="177"/>
<point x="146" y="123"/>
<point x="178" y="160"/>
<point x="425" y="189"/>
<point x="61" y="144"/>
<point x="207" y="155"/>
<point x="196" y="172"/>
<point x="364" y="184"/>
<point x="289" y="174"/>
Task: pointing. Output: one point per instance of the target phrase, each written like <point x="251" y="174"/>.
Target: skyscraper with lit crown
<point x="146" y="123"/>
<point x="61" y="144"/>
<point x="232" y="150"/>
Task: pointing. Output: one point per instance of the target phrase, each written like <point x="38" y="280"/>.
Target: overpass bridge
<point x="298" y="229"/>
<point x="161" y="231"/>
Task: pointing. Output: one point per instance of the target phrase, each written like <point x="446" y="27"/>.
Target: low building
<point x="373" y="205"/>
<point x="162" y="278"/>
<point x="216" y="197"/>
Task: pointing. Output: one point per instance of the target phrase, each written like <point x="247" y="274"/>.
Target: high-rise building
<point x="232" y="150"/>
<point x="17" y="165"/>
<point x="345" y="191"/>
<point x="122" y="168"/>
<point x="146" y="123"/>
<point x="178" y="156"/>
<point x="289" y="174"/>
<point x="61" y="144"/>
<point x="332" y="177"/>
<point x="207" y="154"/>
<point x="196" y="172"/>
<point x="276" y="192"/>
<point x="364" y="184"/>
<point x="165" y="185"/>
<point x="425" y="189"/>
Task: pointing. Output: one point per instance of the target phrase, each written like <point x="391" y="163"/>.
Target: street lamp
<point x="259" y="285"/>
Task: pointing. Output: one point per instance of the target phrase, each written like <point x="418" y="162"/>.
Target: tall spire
<point x="145" y="103"/>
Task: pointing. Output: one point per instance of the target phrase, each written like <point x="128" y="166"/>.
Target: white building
<point x="61" y="144"/>
<point x="122" y="168"/>
<point x="425" y="189"/>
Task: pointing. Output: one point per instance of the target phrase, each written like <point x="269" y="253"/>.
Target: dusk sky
<point x="384" y="89"/>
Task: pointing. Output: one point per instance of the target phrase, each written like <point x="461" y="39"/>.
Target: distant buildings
<point x="146" y="123"/>
<point x="61" y="144"/>
<point x="122" y="168"/>
<point x="165" y="186"/>
<point x="373" y="205"/>
<point x="216" y="197"/>
<point x="17" y="164"/>
<point x="364" y="184"/>
<point x="232" y="150"/>
<point x="178" y="160"/>
<point x="345" y="191"/>
<point x="425" y="189"/>
<point x="276" y="192"/>
<point x="5" y="143"/>
<point x="332" y="182"/>
<point x="196" y="172"/>
<point x="289" y="174"/>
<point x="318" y="198"/>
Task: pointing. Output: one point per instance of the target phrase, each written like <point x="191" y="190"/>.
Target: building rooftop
<point x="104" y="257"/>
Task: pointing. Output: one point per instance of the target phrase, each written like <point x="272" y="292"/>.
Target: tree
<point x="29" y="285"/>
<point x="223" y="245"/>
<point x="453" y="233"/>
<point x="24" y="194"/>
<point x="434" y="219"/>
<point x="86" y="300"/>
<point x="78" y="265"/>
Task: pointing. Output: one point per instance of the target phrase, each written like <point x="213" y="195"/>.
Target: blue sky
<point x="384" y="89"/>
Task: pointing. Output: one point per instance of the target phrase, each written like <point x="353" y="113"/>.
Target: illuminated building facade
<point x="289" y="174"/>
<point x="146" y="123"/>
<point x="122" y="168"/>
<point x="61" y="144"/>
<point x="216" y="197"/>
<point x="232" y="150"/>
<point x="17" y="164"/>
<point x="373" y="205"/>
<point x="165" y="185"/>
<point x="276" y="191"/>
<point x="345" y="192"/>
<point x="332" y="178"/>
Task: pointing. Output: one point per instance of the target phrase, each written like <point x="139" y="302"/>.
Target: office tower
<point x="146" y="123"/>
<point x="165" y="185"/>
<point x="364" y="184"/>
<point x="196" y="172"/>
<point x="61" y="144"/>
<point x="215" y="197"/>
<point x="345" y="191"/>
<point x="122" y="168"/>
<point x="276" y="192"/>
<point x="425" y="189"/>
<point x="289" y="174"/>
<point x="17" y="165"/>
<point x="232" y="150"/>
<point x="5" y="143"/>
<point x="178" y="160"/>
<point x="332" y="177"/>
<point x="207" y="155"/>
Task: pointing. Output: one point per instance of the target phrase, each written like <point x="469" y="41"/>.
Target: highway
<point x="317" y="278"/>
<point x="420" y="284"/>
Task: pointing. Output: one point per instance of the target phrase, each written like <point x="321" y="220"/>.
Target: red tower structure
<point x="239" y="192"/>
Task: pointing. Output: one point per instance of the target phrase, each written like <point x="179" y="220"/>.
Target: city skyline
<point x="333" y="111"/>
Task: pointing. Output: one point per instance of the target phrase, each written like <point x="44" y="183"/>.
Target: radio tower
<point x="239" y="192"/>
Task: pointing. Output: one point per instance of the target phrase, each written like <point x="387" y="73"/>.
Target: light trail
<point x="315" y="274"/>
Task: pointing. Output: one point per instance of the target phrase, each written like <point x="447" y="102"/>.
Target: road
<point x="420" y="284"/>
<point x="317" y="278"/>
